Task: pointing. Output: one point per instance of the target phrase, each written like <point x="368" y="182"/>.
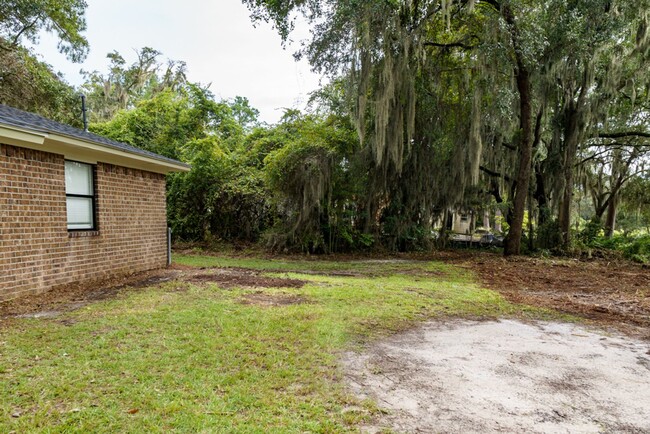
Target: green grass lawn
<point x="195" y="358"/>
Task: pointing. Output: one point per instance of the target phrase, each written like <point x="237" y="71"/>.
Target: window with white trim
<point x="80" y="196"/>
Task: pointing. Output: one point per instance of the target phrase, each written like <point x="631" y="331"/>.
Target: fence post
<point x="169" y="246"/>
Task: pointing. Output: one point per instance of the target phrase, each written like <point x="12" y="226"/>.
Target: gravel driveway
<point x="505" y="376"/>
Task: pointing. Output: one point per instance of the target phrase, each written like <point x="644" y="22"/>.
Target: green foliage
<point x="223" y="197"/>
<point x="29" y="84"/>
<point x="422" y="100"/>
<point x="549" y="235"/>
<point x="613" y="243"/>
<point x="25" y="81"/>
<point x="420" y="117"/>
<point x="592" y="230"/>
<point x="219" y="198"/>
<point x="634" y="248"/>
<point x="292" y="180"/>
<point x="638" y="250"/>
<point x="124" y="86"/>
<point x="311" y="178"/>
<point x="24" y="19"/>
<point x="167" y="121"/>
<point x="244" y="114"/>
<point x="636" y="203"/>
<point x="433" y="92"/>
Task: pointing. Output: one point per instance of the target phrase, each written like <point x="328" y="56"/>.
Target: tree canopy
<point x="26" y="81"/>
<point x="509" y="88"/>
<point x="515" y="108"/>
<point x="23" y="20"/>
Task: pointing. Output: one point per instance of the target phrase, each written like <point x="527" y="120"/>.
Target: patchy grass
<point x="200" y="358"/>
<point x="368" y="268"/>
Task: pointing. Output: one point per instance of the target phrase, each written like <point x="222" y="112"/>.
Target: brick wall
<point x="37" y="253"/>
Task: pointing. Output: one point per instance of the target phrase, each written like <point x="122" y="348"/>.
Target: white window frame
<point x="77" y="227"/>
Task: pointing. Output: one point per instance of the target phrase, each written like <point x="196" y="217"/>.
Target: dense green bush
<point x="310" y="183"/>
<point x="549" y="235"/>
<point x="218" y="199"/>
<point x="634" y="248"/>
<point x="592" y="230"/>
<point x="638" y="250"/>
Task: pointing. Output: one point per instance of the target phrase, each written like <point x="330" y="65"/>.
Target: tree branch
<point x="593" y="157"/>
<point x="618" y="145"/>
<point x="450" y="45"/>
<point x="25" y="28"/>
<point x="622" y="134"/>
<point x="495" y="174"/>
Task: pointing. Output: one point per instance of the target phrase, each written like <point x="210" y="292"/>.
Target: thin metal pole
<point x="83" y="112"/>
<point x="169" y="246"/>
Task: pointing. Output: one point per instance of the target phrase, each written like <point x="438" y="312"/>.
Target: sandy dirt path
<point x="505" y="376"/>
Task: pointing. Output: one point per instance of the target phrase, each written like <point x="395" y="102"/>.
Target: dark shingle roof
<point x="19" y="118"/>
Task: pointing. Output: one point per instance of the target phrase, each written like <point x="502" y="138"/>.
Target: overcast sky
<point x="214" y="37"/>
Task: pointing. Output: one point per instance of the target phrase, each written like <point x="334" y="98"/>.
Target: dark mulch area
<point x="238" y="277"/>
<point x="609" y="292"/>
<point x="74" y="296"/>
<point x="273" y="300"/>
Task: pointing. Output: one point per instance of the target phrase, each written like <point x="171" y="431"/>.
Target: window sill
<point x="81" y="234"/>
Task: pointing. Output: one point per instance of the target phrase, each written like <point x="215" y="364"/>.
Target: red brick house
<point x="75" y="206"/>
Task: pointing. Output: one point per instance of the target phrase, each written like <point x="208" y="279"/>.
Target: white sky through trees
<point x="216" y="39"/>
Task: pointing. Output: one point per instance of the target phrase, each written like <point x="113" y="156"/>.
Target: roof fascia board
<point x="81" y="150"/>
<point x="165" y="166"/>
<point x="21" y="137"/>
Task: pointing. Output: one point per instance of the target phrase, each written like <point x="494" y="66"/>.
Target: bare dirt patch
<point x="52" y="304"/>
<point x="66" y="298"/>
<point x="506" y="376"/>
<point x="611" y="293"/>
<point x="241" y="277"/>
<point x="273" y="300"/>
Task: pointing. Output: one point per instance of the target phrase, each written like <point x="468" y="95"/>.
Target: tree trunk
<point x="571" y="132"/>
<point x="531" y="232"/>
<point x="610" y="222"/>
<point x="498" y="217"/>
<point x="512" y="245"/>
<point x="513" y="240"/>
<point x="599" y="210"/>
<point x="541" y="196"/>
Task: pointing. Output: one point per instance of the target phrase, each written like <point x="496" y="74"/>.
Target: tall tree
<point x="384" y="47"/>
<point x="124" y="85"/>
<point x="597" y="48"/>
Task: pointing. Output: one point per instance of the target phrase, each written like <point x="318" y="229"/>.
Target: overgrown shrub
<point x="220" y="198"/>
<point x="638" y="250"/>
<point x="592" y="230"/>
<point x="635" y="249"/>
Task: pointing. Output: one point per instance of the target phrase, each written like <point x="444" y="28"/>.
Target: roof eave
<point x="84" y="150"/>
